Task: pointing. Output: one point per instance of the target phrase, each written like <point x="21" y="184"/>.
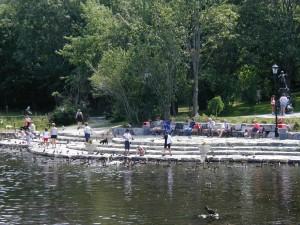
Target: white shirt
<point x="169" y="139"/>
<point x="283" y="99"/>
<point x="127" y="136"/>
<point x="46" y="134"/>
<point x="87" y="130"/>
<point x="211" y="124"/>
<point x="224" y="125"/>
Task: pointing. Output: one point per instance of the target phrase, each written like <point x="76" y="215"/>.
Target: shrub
<point x="65" y="114"/>
<point x="216" y="105"/>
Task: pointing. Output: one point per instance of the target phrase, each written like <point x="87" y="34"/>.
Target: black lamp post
<point x="275" y="70"/>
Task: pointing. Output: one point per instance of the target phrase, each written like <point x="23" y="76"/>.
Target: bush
<point x="216" y="105"/>
<point x="65" y="114"/>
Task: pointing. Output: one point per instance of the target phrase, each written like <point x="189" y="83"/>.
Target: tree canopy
<point x="140" y="59"/>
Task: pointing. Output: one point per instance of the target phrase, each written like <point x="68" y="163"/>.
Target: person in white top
<point x="283" y="102"/>
<point x="87" y="131"/>
<point x="53" y="133"/>
<point x="224" y="128"/>
<point x="46" y="135"/>
<point x="168" y="142"/>
<point x="127" y="136"/>
<point x="210" y="127"/>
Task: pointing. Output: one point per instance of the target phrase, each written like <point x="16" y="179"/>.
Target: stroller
<point x="289" y="107"/>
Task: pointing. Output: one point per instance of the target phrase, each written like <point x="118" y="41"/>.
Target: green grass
<point x="242" y="113"/>
<point x="40" y="122"/>
<point x="239" y="113"/>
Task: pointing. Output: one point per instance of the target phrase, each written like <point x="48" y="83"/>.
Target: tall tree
<point x="209" y="23"/>
<point x="40" y="27"/>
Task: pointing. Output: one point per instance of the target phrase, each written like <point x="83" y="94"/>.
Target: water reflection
<point x="170" y="181"/>
<point x="127" y="185"/>
<point x="52" y="191"/>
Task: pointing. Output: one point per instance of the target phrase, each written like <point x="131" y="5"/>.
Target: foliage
<point x="65" y="114"/>
<point x="31" y="34"/>
<point x="216" y="105"/>
<point x="248" y="83"/>
<point x="162" y="53"/>
<point x="40" y="122"/>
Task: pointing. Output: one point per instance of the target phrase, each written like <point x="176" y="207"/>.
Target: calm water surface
<point x="52" y="191"/>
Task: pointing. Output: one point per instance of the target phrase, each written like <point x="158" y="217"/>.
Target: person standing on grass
<point x="53" y="133"/>
<point x="273" y="104"/>
<point x="127" y="136"/>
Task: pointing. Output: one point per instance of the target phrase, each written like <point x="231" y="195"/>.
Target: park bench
<point x="179" y="128"/>
<point x="214" y="131"/>
<point x="156" y="128"/>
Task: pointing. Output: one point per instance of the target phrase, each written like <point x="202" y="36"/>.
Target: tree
<point x="216" y="105"/>
<point x="209" y="24"/>
<point x="248" y="83"/>
<point x="37" y="31"/>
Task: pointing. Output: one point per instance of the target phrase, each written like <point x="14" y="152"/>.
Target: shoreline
<point x="71" y="146"/>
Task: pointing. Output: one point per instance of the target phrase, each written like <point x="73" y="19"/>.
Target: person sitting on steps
<point x="224" y="128"/>
<point x="188" y="130"/>
<point x="210" y="128"/>
<point x="140" y="151"/>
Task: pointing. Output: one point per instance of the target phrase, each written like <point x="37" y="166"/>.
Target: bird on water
<point x="210" y="211"/>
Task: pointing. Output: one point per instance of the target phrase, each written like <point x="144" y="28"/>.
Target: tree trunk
<point x="195" y="56"/>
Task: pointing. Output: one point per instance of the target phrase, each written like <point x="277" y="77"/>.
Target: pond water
<point x="36" y="190"/>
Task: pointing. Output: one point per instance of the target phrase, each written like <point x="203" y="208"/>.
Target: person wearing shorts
<point x="46" y="135"/>
<point x="273" y="104"/>
<point x="168" y="142"/>
<point x="127" y="136"/>
<point x="53" y="133"/>
<point x="79" y="118"/>
<point x="283" y="102"/>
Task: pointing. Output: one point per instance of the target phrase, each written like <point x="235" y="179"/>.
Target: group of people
<point x="29" y="128"/>
<point x="140" y="150"/>
<point x="50" y="134"/>
<point x="210" y="130"/>
<point x="28" y="131"/>
<point x="283" y="102"/>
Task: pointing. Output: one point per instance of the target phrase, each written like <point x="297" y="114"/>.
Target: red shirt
<point x="256" y="125"/>
<point x="197" y="127"/>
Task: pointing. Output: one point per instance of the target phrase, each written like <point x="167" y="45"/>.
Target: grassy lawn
<point x="242" y="113"/>
<point x="16" y="121"/>
<point x="239" y="113"/>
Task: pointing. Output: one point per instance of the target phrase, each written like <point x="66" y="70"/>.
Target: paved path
<point x="71" y="146"/>
<point x="294" y="115"/>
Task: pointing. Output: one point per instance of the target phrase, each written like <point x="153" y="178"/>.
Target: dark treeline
<point x="142" y="58"/>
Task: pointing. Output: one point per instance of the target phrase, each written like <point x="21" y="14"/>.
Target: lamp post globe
<point x="275" y="70"/>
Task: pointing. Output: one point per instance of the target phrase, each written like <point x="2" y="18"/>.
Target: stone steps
<point x="72" y="145"/>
